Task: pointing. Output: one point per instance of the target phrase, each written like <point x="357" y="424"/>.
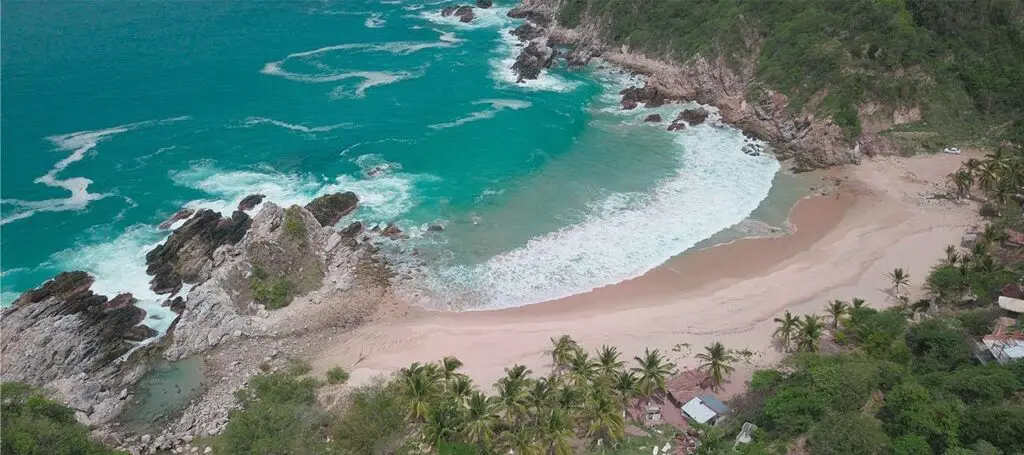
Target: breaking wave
<point x="501" y="69"/>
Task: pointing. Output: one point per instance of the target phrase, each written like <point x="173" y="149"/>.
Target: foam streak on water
<point x="496" y="106"/>
<point x="716" y="186"/>
<point x="79" y="144"/>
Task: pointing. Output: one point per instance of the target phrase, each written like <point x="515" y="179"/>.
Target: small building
<point x="1006" y="343"/>
<point x="705" y="409"/>
<point x="968" y="240"/>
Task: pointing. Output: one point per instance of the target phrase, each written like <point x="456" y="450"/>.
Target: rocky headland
<point x="248" y="290"/>
<point x="807" y="140"/>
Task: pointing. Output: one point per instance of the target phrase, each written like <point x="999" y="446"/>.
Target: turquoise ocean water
<point x="117" y="114"/>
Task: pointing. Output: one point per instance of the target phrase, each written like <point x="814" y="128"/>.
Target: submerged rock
<point x="435" y="228"/>
<point x="693" y="116"/>
<point x="331" y="208"/>
<point x="484" y="3"/>
<point x="653" y="118"/>
<point x="676" y="126"/>
<point x="392" y="232"/>
<point x="250" y="202"/>
<point x="182" y="214"/>
<point x="463" y="12"/>
<point x="187" y="254"/>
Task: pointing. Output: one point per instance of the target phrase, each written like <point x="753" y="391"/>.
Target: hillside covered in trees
<point x="960" y="62"/>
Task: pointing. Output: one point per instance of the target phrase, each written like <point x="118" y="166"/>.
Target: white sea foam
<point x="501" y="69"/>
<point x="250" y="121"/>
<point x="483" y="18"/>
<point x="374" y="21"/>
<point x="383" y="198"/>
<point x="120" y="266"/>
<point x="716" y="186"/>
<point x="79" y="144"/>
<point x="370" y="79"/>
<point x="497" y="105"/>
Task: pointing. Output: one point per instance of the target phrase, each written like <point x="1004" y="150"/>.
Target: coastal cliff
<point x="821" y="99"/>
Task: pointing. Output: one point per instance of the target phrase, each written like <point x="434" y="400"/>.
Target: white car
<point x="951" y="150"/>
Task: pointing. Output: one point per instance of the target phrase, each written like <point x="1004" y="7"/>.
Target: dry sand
<point x="880" y="218"/>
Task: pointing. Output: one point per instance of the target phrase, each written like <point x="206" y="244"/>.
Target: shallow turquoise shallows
<point x="117" y="114"/>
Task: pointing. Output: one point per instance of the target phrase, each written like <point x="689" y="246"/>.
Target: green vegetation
<point x="337" y="375"/>
<point x="33" y="424"/>
<point x="270" y="291"/>
<point x="962" y="62"/>
<point x="294" y="227"/>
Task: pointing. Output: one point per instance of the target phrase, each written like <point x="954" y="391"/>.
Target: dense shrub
<point x="33" y="424"/>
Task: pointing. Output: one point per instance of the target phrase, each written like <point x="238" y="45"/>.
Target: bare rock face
<point x="463" y="12"/>
<point x="693" y="116"/>
<point x="535" y="57"/>
<point x="539" y="12"/>
<point x="187" y="254"/>
<point x="64" y="337"/>
<point x="250" y="202"/>
<point x="331" y="208"/>
<point x="182" y="214"/>
<point x="527" y="32"/>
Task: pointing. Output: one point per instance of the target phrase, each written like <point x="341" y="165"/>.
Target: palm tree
<point x="653" y="369"/>
<point x="608" y="363"/>
<point x="716" y="362"/>
<point x="624" y="384"/>
<point x="539" y="394"/>
<point x="963" y="181"/>
<point x="418" y="389"/>
<point x="555" y="430"/>
<point x="603" y="417"/>
<point x="568" y="397"/>
<point x="512" y="400"/>
<point x="480" y="419"/>
<point x="836" y="309"/>
<point x="443" y="423"/>
<point x="580" y="369"/>
<point x="520" y="441"/>
<point x="449" y="366"/>
<point x="992" y="235"/>
<point x="561" y="348"/>
<point x="952" y="255"/>
<point x="857" y="303"/>
<point x="460" y="388"/>
<point x="788" y="325"/>
<point x="810" y="332"/>
<point x="900" y="279"/>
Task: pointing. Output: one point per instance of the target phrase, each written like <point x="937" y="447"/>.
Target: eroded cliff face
<point x="806" y="138"/>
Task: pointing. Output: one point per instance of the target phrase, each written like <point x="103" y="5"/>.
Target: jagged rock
<point x="392" y="232"/>
<point x="536" y="12"/>
<point x="527" y="32"/>
<point x="182" y="214"/>
<point x="655" y="118"/>
<point x="628" y="105"/>
<point x="650" y="95"/>
<point x="187" y="254"/>
<point x="53" y="334"/>
<point x="120" y="300"/>
<point x="693" y="116"/>
<point x="352" y="230"/>
<point x="675" y="126"/>
<point x="435" y="228"/>
<point x="463" y="12"/>
<point x="177" y="304"/>
<point x="532" y="59"/>
<point x="331" y="208"/>
<point x="139" y="333"/>
<point x="250" y="202"/>
<point x="484" y="3"/>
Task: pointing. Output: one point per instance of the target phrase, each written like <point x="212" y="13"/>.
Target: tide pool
<point x="117" y="114"/>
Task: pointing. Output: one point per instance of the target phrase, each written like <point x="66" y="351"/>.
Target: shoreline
<point x="880" y="217"/>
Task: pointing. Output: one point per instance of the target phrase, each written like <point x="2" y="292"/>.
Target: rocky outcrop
<point x="538" y="12"/>
<point x="250" y="202"/>
<point x="64" y="337"/>
<point x="484" y="4"/>
<point x="534" y="58"/>
<point x="653" y="118"/>
<point x="391" y="231"/>
<point x="676" y="126"/>
<point x="463" y="12"/>
<point x="331" y="208"/>
<point x="650" y="95"/>
<point x="527" y="32"/>
<point x="693" y="116"/>
<point x="182" y="214"/>
<point x="187" y="254"/>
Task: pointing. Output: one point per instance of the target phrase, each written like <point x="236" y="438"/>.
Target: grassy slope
<point x="962" y="62"/>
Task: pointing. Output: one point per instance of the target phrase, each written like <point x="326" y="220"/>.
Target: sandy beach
<point x="880" y="217"/>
